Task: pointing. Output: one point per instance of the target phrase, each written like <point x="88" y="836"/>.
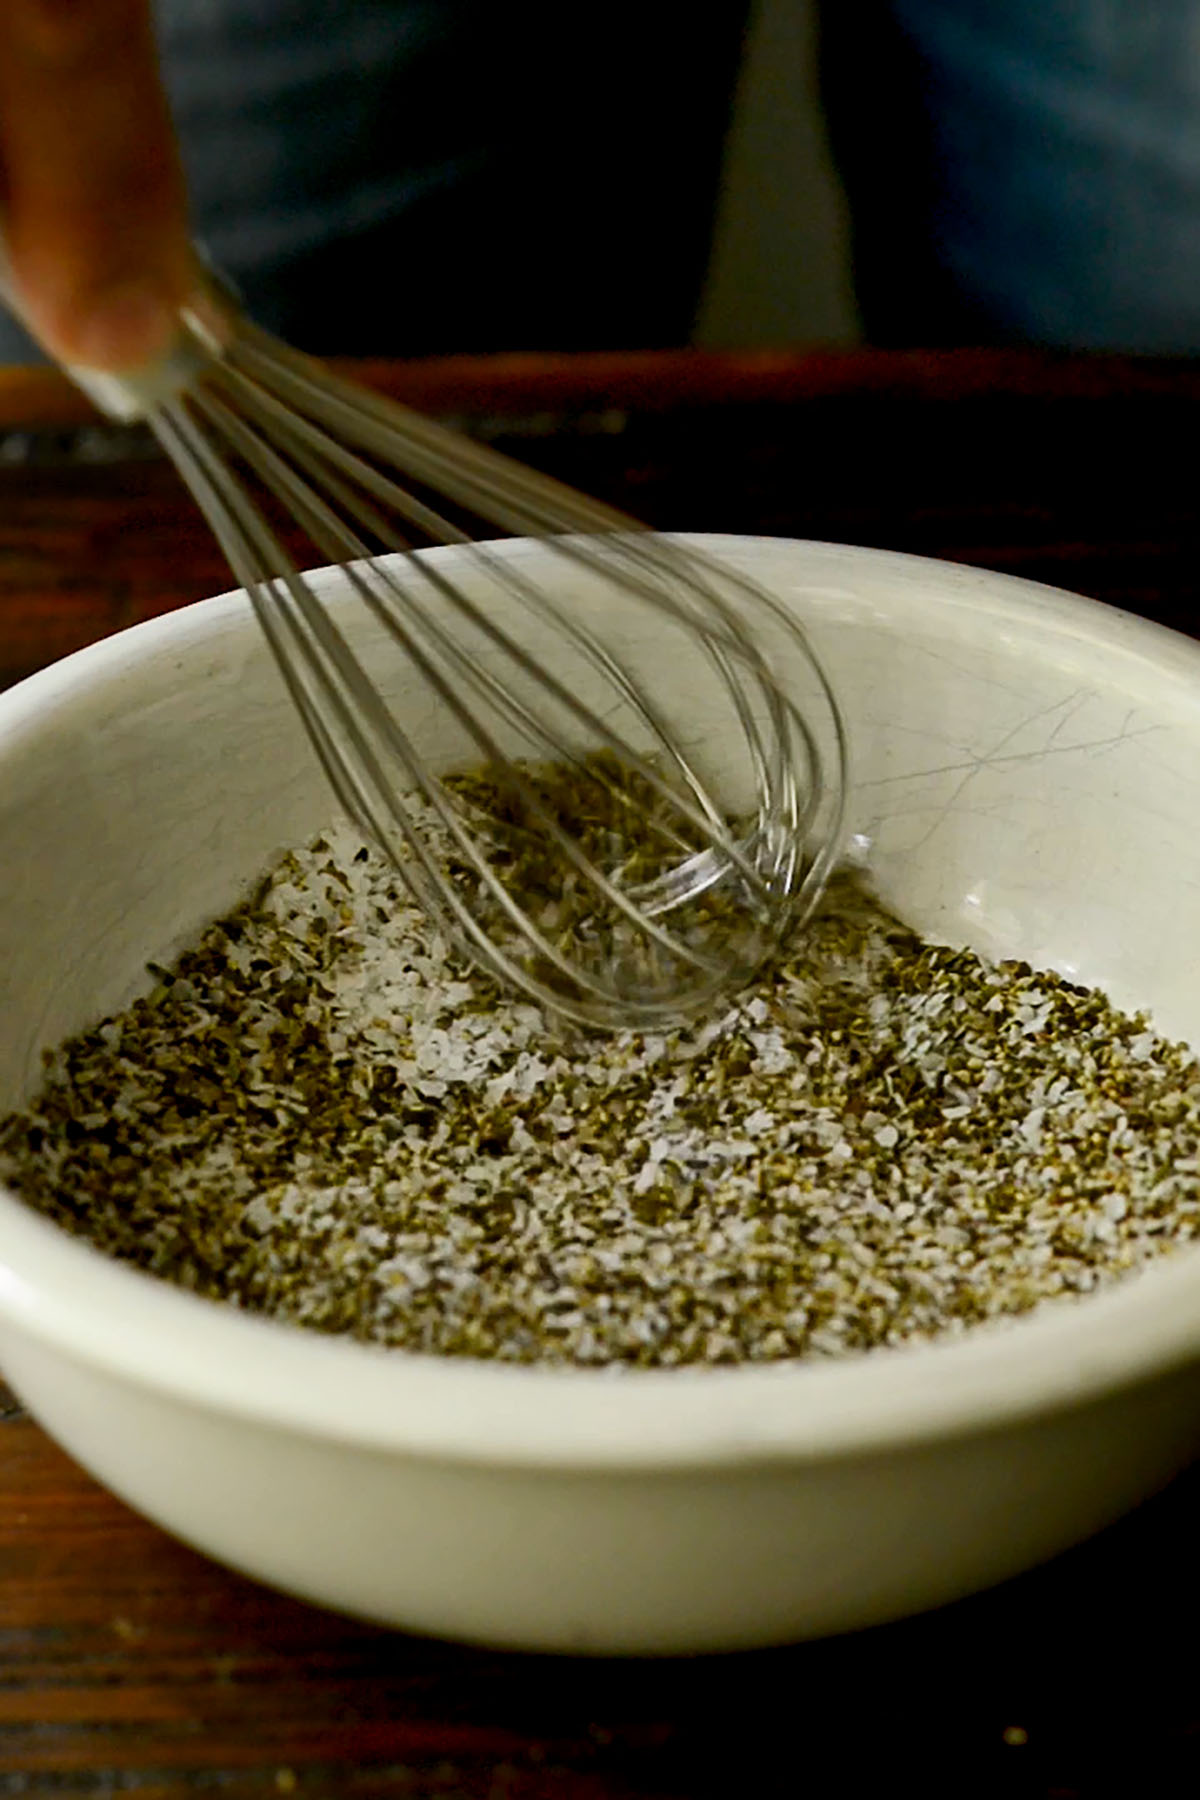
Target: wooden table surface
<point x="130" y="1665"/>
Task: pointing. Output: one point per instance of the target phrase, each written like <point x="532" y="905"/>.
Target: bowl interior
<point x="1024" y="767"/>
<point x="1025" y="770"/>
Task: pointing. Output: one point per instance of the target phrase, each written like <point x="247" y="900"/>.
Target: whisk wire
<point x="508" y="661"/>
<point x="264" y="568"/>
<point x="390" y="603"/>
<point x="439" y="458"/>
<point x="311" y="447"/>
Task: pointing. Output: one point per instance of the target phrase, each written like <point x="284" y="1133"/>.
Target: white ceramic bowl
<point x="1027" y="771"/>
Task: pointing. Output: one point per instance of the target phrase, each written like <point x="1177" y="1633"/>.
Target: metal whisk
<point x="607" y="764"/>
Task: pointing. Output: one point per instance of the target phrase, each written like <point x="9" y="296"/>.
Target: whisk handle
<point x="204" y="330"/>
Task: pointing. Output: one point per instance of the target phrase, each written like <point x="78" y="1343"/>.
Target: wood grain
<point x="131" y="1665"/>
<point x="1065" y="470"/>
<point x="124" y="1654"/>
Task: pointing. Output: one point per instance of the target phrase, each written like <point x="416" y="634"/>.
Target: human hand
<point x="91" y="189"/>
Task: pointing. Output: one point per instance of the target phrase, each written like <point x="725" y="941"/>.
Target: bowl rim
<point x="75" y="1302"/>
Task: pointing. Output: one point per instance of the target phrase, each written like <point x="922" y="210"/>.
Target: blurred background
<point x="780" y="268"/>
<point x="932" y="172"/>
<point x="413" y="177"/>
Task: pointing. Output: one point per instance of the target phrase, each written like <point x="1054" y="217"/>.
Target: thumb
<point x="92" y="191"/>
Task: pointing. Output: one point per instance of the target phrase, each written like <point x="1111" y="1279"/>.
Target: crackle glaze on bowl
<point x="1026" y="780"/>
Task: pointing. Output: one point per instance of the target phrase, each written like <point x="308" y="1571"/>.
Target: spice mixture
<point x="320" y="1114"/>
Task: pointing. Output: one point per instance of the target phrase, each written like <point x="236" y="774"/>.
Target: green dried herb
<point x="320" y="1114"/>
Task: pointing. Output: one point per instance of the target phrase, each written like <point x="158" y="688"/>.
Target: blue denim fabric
<point x="1021" y="169"/>
<point x="306" y="122"/>
<point x="435" y="175"/>
<point x="1065" y="199"/>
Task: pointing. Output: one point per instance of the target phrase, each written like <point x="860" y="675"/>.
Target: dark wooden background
<point x="129" y="1665"/>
